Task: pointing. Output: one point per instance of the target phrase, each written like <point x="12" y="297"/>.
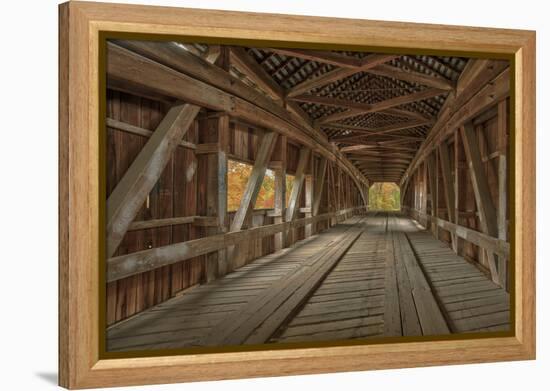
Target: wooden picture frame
<point x="80" y="163"/>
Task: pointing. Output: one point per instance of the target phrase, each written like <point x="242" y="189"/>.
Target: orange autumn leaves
<point x="237" y="177"/>
<point x="384" y="196"/>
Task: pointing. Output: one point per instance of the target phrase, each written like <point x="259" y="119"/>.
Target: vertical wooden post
<point x="293" y="203"/>
<point x="212" y="168"/>
<point x="424" y="193"/>
<point x="432" y="168"/>
<point x="309" y="195"/>
<point x="280" y="191"/>
<point x="449" y="188"/>
<point x="502" y="228"/>
<point x="456" y="182"/>
<point x="332" y="190"/>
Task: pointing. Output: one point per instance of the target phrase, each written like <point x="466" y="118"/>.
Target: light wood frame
<point x="80" y="363"/>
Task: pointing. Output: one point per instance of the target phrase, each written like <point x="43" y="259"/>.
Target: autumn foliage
<point x="237" y="177"/>
<point x="384" y="196"/>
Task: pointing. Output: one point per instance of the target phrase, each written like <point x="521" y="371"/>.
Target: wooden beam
<point x="216" y="132"/>
<point x="365" y="130"/>
<point x="432" y="180"/>
<point x="128" y="196"/>
<point x="155" y="223"/>
<point x="247" y="65"/>
<point x="457" y="177"/>
<point x="297" y="185"/>
<point x="384" y="130"/>
<point x="280" y="192"/>
<point x="248" y="200"/>
<point x="502" y="223"/>
<point x="138" y="262"/>
<point x="335" y="102"/>
<point x="383" y="105"/>
<point x="387" y="70"/>
<point x="319" y="185"/>
<point x="260" y="77"/>
<point x="125" y="127"/>
<point x="480" y="185"/>
<point x="198" y="82"/>
<point x="481" y="91"/>
<point x="324" y="56"/>
<point x="368" y="62"/>
<point x="480" y="239"/>
<point x="448" y="187"/>
<point x="309" y="195"/>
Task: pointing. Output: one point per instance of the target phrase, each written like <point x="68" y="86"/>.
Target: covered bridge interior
<point x="314" y="262"/>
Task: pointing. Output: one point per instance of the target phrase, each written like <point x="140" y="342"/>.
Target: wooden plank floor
<point x="367" y="277"/>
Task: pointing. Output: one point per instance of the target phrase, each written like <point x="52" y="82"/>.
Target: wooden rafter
<point x="325" y="57"/>
<point x="382" y="130"/>
<point x="411" y="76"/>
<point x="252" y="69"/>
<point x="368" y="62"/>
<point x="365" y="130"/>
<point x="383" y="105"/>
<point x="385" y="70"/>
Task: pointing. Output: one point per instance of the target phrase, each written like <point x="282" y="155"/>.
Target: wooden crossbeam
<point x="336" y="102"/>
<point x="297" y="185"/>
<point x="381" y="160"/>
<point x="380" y="70"/>
<point x="383" y="105"/>
<point x="325" y="57"/>
<point x="128" y="128"/>
<point x="368" y="62"/>
<point x="411" y="76"/>
<point x="252" y="189"/>
<point x="142" y="261"/>
<point x="255" y="72"/>
<point x="128" y="196"/>
<point x="261" y="78"/>
<point x="266" y="83"/>
<point x="384" y="130"/>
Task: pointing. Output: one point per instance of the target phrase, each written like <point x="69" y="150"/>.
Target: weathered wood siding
<point x="181" y="191"/>
<point x="486" y="131"/>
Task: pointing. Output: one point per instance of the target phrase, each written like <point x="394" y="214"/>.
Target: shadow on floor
<point x="48" y="377"/>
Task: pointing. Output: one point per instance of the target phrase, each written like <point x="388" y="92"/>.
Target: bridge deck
<point x="367" y="277"/>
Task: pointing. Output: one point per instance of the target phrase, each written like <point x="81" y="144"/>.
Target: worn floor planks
<point x="372" y="277"/>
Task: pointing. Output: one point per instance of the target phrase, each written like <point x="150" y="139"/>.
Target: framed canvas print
<point x="248" y="195"/>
